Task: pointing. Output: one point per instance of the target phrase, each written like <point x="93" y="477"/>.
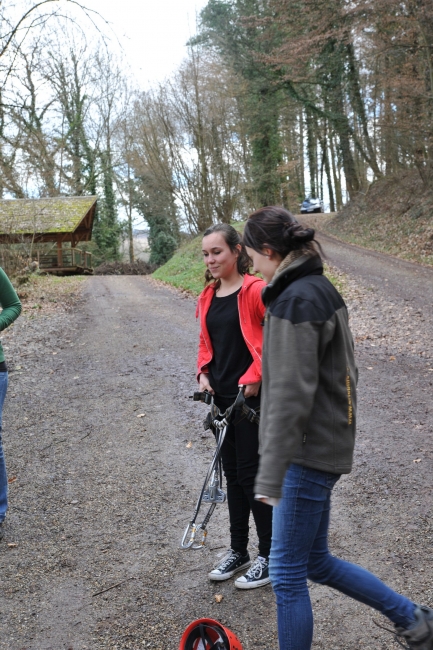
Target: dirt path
<point x="101" y="496"/>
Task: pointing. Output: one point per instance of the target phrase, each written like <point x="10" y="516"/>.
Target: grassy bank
<point x="185" y="270"/>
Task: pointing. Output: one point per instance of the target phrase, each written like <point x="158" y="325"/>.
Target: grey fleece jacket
<point x="308" y="404"/>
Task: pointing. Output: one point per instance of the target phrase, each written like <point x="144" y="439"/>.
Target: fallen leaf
<point x="189" y="445"/>
<point x="417" y="460"/>
<point x="54" y="352"/>
<point x="12" y="479"/>
<point x="370" y="368"/>
<point x="18" y="367"/>
<point x="392" y="358"/>
<point x="14" y="545"/>
<point x="141" y="415"/>
<point x="219" y="597"/>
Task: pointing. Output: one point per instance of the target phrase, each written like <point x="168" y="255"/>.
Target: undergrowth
<point x="42" y="294"/>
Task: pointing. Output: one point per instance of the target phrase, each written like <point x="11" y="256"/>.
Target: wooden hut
<point x="62" y="220"/>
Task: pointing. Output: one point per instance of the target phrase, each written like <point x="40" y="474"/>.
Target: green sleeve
<point x="9" y="301"/>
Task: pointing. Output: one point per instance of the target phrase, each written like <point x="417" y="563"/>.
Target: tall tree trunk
<point x="130" y="230"/>
<point x="301" y="153"/>
<point x="328" y="169"/>
<point x="359" y="108"/>
<point x="337" y="181"/>
<point x="342" y="127"/>
<point x="311" y="152"/>
<point x="387" y="122"/>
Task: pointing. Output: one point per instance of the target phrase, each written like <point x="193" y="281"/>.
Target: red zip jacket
<point x="251" y="314"/>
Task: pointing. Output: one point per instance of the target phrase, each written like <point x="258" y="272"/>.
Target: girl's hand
<point x="204" y="383"/>
<point x="251" y="390"/>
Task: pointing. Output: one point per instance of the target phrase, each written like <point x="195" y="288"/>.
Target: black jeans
<point x="240" y="459"/>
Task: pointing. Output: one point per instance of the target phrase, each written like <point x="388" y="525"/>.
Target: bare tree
<point x="188" y="133"/>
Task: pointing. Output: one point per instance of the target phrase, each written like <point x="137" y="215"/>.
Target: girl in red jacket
<point x="231" y="315"/>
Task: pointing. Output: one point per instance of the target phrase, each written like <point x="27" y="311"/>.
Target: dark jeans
<point x="240" y="459"/>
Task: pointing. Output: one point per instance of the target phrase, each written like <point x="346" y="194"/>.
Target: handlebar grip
<point x="202" y="397"/>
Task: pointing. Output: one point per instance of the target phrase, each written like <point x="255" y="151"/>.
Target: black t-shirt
<point x="231" y="357"/>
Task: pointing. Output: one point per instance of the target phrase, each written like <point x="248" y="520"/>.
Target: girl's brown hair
<point x="233" y="240"/>
<point x="276" y="228"/>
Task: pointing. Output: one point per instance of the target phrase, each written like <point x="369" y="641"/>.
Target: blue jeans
<point x="300" y="551"/>
<point x="3" y="475"/>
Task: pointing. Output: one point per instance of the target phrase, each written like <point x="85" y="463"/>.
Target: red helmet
<point x="207" y="634"/>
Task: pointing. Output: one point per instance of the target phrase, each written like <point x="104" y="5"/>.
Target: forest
<point x="276" y="100"/>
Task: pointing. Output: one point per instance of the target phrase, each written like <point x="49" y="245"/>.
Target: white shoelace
<point x="256" y="569"/>
<point x="224" y="564"/>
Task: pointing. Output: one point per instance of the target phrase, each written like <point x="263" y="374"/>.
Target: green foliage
<point x="161" y="241"/>
<point x="265" y="146"/>
<point x="232" y="29"/>
<point x="106" y="230"/>
<point x="159" y="210"/>
<point x="106" y="236"/>
<point x="185" y="270"/>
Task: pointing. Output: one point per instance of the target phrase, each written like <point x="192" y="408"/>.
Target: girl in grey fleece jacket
<point x="307" y="431"/>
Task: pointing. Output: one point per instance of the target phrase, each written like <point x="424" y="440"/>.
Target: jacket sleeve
<point x="11" y="305"/>
<point x="202" y="350"/>
<point x="292" y="375"/>
<point x="258" y="309"/>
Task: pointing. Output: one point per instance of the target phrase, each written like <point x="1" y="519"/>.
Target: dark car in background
<point x="312" y="205"/>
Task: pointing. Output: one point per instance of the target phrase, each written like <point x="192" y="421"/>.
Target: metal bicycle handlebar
<point x="195" y="534"/>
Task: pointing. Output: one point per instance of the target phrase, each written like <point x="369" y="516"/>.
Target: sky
<point x="152" y="33"/>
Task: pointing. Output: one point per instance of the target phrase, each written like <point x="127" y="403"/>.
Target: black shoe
<point x="419" y="637"/>
<point x="232" y="563"/>
<point x="2" y="530"/>
<point x="256" y="576"/>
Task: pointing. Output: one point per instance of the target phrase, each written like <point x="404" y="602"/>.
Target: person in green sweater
<point x="11" y="309"/>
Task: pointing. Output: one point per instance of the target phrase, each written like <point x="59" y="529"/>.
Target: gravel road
<point x="106" y="454"/>
<point x="395" y="277"/>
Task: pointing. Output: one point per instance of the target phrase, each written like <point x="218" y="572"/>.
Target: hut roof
<point x="50" y="216"/>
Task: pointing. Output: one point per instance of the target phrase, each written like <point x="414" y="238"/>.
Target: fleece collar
<point x="295" y="265"/>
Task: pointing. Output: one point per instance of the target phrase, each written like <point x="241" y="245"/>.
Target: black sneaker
<point x="419" y="637"/>
<point x="256" y="576"/>
<point x="232" y="563"/>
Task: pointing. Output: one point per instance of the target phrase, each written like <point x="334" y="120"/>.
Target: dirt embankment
<point x="395" y="216"/>
<point x="106" y="453"/>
